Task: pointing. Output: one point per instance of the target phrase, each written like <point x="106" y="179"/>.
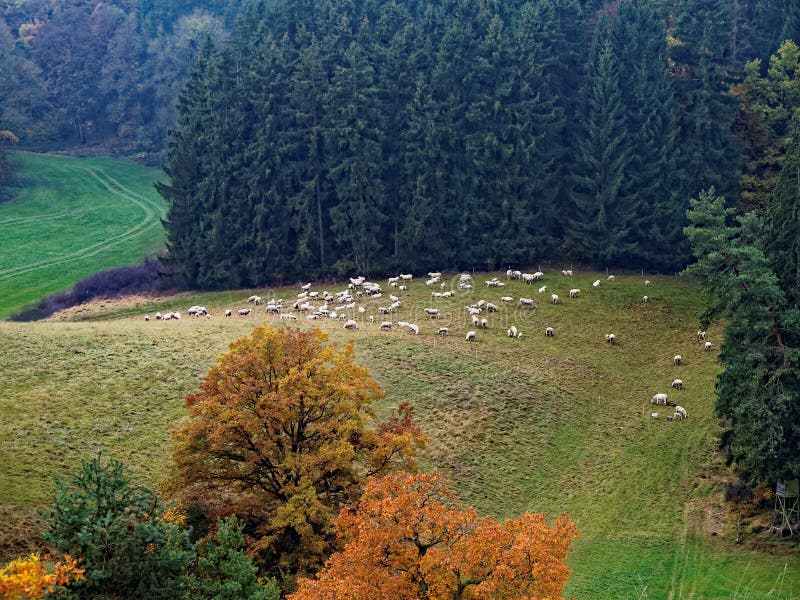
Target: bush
<point x="128" y="548"/>
<point x="140" y="279"/>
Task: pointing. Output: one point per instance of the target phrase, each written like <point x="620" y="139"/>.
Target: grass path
<point x="73" y="217"/>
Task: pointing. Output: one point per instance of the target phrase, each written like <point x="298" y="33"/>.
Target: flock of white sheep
<point x="350" y="307"/>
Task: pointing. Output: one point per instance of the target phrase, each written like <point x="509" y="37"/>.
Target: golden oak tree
<point x="406" y="539"/>
<point x="281" y="435"/>
<point x="34" y="577"/>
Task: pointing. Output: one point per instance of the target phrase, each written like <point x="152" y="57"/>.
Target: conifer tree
<point x="604" y="203"/>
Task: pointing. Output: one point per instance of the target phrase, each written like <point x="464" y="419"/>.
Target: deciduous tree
<point x="407" y="539"/>
<point x="279" y="436"/>
<point x="36" y="576"/>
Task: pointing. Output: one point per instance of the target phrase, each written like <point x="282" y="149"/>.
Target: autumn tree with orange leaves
<point x="34" y="576"/>
<point x="282" y="435"/>
<point x="406" y="539"/>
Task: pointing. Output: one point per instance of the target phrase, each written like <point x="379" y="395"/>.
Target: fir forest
<point x="393" y="299"/>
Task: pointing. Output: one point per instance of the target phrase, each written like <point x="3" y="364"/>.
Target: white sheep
<point x="549" y="331"/>
<point x="307" y="286"/>
<point x="351" y="325"/>
<point x="433" y="313"/>
<point x="538" y="275"/>
<point x="243" y="312"/>
<point x="254" y="300"/>
<point x="506" y="299"/>
<point x="526" y="302"/>
<point x="228" y="312"/>
<point x="146" y="318"/>
<point x="403" y="288"/>
<point x="645" y="299"/>
<point x="158" y="316"/>
<point x="385" y="325"/>
<point x="475" y="321"/>
<point x="491" y="307"/>
<point x="610" y="338"/>
<point x="288" y="317"/>
<point x="543" y="289"/>
<point x="678" y="359"/>
<point x="573" y="293"/>
<point x="659" y="399"/>
<point x="484" y="323"/>
<point x="707" y="346"/>
<point x="567" y="272"/>
<point x="677" y="384"/>
<point x="647" y="282"/>
<point x="361" y="310"/>
<point x="443" y="331"/>
<point x="596" y="283"/>
<point x="414" y="327"/>
<point x="701" y="335"/>
<point x="554" y="298"/>
<point x="680" y="413"/>
<point x="511" y="332"/>
<point x="471" y="336"/>
<point x="610" y="278"/>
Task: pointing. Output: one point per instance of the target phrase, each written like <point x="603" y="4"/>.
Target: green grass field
<point x="71" y="217"/>
<point x="538" y="424"/>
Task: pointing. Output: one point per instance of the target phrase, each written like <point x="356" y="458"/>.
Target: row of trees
<point x="340" y="137"/>
<point x="279" y="471"/>
<point x="88" y="72"/>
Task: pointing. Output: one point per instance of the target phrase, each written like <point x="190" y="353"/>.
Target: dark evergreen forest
<point x="333" y="137"/>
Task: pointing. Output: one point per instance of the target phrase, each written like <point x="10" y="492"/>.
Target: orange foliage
<point x="405" y="539"/>
<point x="278" y="435"/>
<point x="32" y="577"/>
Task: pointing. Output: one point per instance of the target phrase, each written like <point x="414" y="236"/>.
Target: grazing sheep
<point x="678" y="359"/>
<point x="610" y="278"/>
<point x="573" y="293"/>
<point x="680" y="413"/>
<point x="288" y="317"/>
<point x="307" y="286"/>
<point x="406" y="277"/>
<point x="707" y="346"/>
<point x="506" y="299"/>
<point x="596" y="283"/>
<point x="475" y="321"/>
<point x="526" y="302"/>
<point x="433" y="313"/>
<point x="511" y="332"/>
<point x="659" y="399"/>
<point x="484" y="323"/>
<point x="443" y="331"/>
<point x="146" y="318"/>
<point x="610" y="338"/>
<point x="543" y="289"/>
<point x="677" y="384"/>
<point x="361" y="310"/>
<point x="647" y="282"/>
<point x="351" y="325"/>
<point x="385" y="325"/>
<point x="554" y="298"/>
<point x="402" y="288"/>
<point x="254" y="300"/>
<point x="414" y="327"/>
<point x="567" y="273"/>
<point x="538" y="275"/>
<point x="491" y="307"/>
<point x="228" y="312"/>
<point x="470" y="336"/>
<point x="158" y="316"/>
<point x="528" y="278"/>
<point x="701" y="335"/>
<point x="243" y="312"/>
<point x="549" y="331"/>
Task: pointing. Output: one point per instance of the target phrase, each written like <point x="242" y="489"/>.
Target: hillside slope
<point x="71" y="218"/>
<point x="536" y="424"/>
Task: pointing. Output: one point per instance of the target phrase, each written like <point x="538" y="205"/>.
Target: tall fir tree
<point x="708" y="153"/>
<point x="604" y="204"/>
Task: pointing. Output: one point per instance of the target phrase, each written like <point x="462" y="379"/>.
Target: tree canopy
<point x="282" y="435"/>
<point x="406" y="538"/>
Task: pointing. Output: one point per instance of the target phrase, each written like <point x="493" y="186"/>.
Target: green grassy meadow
<point x="71" y="217"/>
<point x="556" y="424"/>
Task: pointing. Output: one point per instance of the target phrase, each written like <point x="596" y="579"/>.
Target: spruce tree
<point x="604" y="205"/>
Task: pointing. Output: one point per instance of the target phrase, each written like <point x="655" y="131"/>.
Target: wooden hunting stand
<point x="787" y="508"/>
